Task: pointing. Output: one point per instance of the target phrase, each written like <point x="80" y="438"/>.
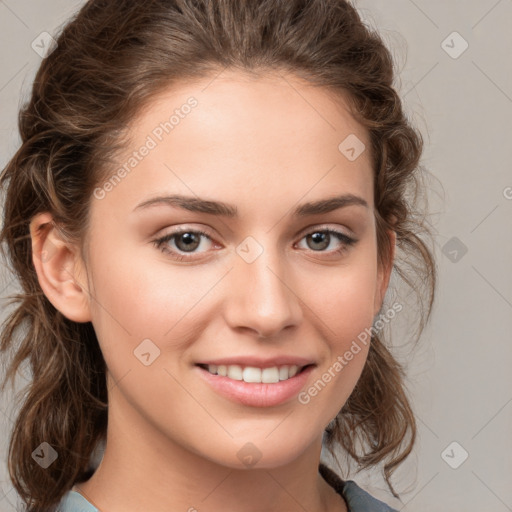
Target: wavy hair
<point x="111" y="59"/>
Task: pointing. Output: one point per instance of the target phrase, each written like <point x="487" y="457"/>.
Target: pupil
<point x="189" y="239"/>
<point x="320" y="238"/>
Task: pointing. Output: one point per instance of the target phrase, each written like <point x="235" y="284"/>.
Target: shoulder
<point x="73" y="501"/>
<point x="358" y="499"/>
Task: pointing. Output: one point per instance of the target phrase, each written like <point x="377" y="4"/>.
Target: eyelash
<point x="159" y="242"/>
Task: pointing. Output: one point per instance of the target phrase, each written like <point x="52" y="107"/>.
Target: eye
<point x="321" y="239"/>
<point x="184" y="241"/>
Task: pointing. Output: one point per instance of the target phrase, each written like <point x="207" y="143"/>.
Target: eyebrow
<point x="196" y="204"/>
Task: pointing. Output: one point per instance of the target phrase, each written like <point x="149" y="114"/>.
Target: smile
<point x="253" y="374"/>
<point x="254" y="386"/>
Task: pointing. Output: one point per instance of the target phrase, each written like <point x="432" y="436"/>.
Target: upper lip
<point x="259" y="362"/>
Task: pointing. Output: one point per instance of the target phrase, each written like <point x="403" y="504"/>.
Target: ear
<point x="60" y="269"/>
<point x="384" y="273"/>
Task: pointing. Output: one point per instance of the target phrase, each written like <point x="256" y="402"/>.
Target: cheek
<point x="147" y="316"/>
<point x="148" y="300"/>
<point x="343" y="299"/>
<point x="344" y="305"/>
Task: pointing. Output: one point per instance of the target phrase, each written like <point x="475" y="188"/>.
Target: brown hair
<point x="111" y="59"/>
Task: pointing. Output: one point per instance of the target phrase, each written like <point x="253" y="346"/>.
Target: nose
<point x="263" y="299"/>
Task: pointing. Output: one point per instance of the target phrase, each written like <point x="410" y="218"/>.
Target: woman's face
<point x="258" y="168"/>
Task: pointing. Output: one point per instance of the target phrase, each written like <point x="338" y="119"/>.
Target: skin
<point x="264" y="145"/>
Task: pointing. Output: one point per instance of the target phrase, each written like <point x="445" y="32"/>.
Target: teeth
<point x="252" y="374"/>
<point x="293" y="371"/>
<point x="235" y="372"/>
<point x="270" y="375"/>
<point x="255" y="375"/>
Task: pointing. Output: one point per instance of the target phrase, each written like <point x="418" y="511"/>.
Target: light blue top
<point x="358" y="500"/>
<point x="73" y="501"/>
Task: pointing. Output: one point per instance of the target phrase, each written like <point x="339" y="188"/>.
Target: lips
<point x="255" y="381"/>
<point x="256" y="394"/>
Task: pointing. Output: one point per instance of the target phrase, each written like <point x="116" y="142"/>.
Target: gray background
<point x="459" y="374"/>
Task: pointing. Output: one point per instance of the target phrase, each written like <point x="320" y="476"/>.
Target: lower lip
<point x="256" y="394"/>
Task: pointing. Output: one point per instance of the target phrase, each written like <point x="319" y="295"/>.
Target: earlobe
<point x="56" y="262"/>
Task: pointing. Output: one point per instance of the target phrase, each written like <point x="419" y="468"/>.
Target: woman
<point x="204" y="215"/>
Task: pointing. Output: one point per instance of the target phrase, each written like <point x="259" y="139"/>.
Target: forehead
<point x="238" y="132"/>
<point x="285" y="105"/>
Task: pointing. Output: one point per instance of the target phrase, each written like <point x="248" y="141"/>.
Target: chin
<point x="261" y="453"/>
